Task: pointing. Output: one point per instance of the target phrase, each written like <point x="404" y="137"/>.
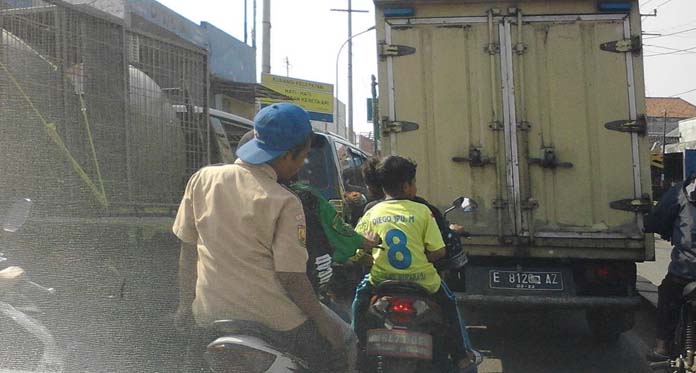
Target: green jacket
<point x="341" y="236"/>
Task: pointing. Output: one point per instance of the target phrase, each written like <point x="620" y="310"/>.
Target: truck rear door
<point x="513" y="110"/>
<point x="568" y="77"/>
<point x="449" y="86"/>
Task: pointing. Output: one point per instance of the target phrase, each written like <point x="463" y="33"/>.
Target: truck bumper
<point x="526" y="301"/>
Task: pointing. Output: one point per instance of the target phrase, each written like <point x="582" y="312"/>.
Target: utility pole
<point x="266" y="48"/>
<point x="287" y="66"/>
<point x="350" y="12"/>
<point x="664" y="145"/>
<point x="253" y="28"/>
<point x="246" y="23"/>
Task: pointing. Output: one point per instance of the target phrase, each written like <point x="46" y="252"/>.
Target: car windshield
<point x="319" y="171"/>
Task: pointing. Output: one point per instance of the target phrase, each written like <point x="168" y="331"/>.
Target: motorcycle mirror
<point x="17" y="216"/>
<point x="469" y="205"/>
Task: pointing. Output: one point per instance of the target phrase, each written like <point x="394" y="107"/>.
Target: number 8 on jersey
<point x="399" y="256"/>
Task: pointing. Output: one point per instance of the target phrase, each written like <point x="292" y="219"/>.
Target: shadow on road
<point x="557" y="341"/>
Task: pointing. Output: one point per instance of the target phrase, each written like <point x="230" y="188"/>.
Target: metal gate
<point x="96" y="118"/>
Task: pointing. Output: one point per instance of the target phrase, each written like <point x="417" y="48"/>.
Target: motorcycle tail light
<point x="401" y="310"/>
<point x="230" y="357"/>
<point x="401" y="305"/>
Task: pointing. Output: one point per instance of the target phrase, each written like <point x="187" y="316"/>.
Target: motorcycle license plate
<point x="525" y="280"/>
<point x="399" y="343"/>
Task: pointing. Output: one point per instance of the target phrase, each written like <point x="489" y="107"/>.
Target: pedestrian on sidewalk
<point x="674" y="219"/>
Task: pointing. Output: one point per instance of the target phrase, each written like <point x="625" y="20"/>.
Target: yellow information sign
<point x="315" y="97"/>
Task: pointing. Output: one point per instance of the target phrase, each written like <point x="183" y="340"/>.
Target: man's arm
<point x="188" y="275"/>
<point x="300" y="291"/>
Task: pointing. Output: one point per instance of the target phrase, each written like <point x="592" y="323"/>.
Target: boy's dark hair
<point x="369" y="171"/>
<point x="394" y="171"/>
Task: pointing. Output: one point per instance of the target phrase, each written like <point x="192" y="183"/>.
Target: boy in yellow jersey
<point x="412" y="242"/>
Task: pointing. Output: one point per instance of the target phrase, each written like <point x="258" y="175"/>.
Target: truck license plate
<point x="525" y="280"/>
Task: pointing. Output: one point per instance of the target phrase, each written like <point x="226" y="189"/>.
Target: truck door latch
<point x="632" y="45"/>
<point x="637" y="205"/>
<point x="394" y="50"/>
<point x="638" y="126"/>
<point x="397" y="126"/>
<point x="549" y="160"/>
<point x="475" y="158"/>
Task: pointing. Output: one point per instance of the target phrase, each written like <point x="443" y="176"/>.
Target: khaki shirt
<point x="247" y="228"/>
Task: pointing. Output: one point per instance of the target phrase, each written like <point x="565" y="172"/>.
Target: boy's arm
<point x="363" y="227"/>
<point x="432" y="240"/>
<point x="434" y="256"/>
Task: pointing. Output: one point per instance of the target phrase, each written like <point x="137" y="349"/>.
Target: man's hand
<point x="370" y="240"/>
<point x="300" y="291"/>
<point x="331" y="332"/>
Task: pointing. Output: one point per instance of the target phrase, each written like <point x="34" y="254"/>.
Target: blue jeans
<point x="455" y="343"/>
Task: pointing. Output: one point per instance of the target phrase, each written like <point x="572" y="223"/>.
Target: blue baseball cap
<point x="277" y="129"/>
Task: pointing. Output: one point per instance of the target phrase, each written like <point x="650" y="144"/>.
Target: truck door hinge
<point x="632" y="45"/>
<point x="639" y="126"/>
<point x="530" y="204"/>
<point x="549" y="160"/>
<point x="641" y="205"/>
<point x="492" y="48"/>
<point x="500" y="204"/>
<point x="394" y="50"/>
<point x="475" y="158"/>
<point x="397" y="126"/>
<point x="520" y="48"/>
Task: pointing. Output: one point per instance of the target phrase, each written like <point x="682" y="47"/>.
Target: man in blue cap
<point x="243" y="234"/>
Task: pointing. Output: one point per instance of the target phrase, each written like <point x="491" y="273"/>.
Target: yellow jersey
<point x="408" y="229"/>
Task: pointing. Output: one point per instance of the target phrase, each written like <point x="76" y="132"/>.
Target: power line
<point x="663" y="4"/>
<point x="673" y="33"/>
<point x="681" y="93"/>
<point x="668" y="48"/>
<point x="673" y="52"/>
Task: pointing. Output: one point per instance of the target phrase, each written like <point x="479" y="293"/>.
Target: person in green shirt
<point x="412" y="243"/>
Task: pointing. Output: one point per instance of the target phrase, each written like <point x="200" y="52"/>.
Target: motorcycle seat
<point x="400" y="287"/>
<point x="689" y="292"/>
<point x="245" y="327"/>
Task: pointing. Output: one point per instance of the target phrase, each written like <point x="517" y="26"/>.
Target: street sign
<point x="315" y="97"/>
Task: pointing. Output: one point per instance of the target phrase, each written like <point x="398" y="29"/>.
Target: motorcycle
<point x="247" y="346"/>
<point x="14" y="284"/>
<point x="683" y="359"/>
<point x="405" y="326"/>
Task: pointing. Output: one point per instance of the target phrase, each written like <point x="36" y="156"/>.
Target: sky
<point x="309" y="35"/>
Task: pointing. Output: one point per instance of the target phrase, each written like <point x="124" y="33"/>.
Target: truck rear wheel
<point x="607" y="325"/>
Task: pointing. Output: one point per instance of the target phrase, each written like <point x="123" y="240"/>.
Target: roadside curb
<point x="647" y="290"/>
